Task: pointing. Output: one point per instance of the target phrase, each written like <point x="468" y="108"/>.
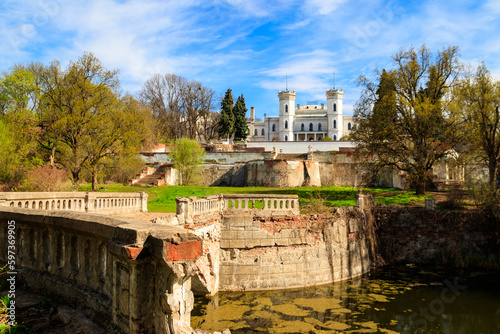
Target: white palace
<point x="303" y="123"/>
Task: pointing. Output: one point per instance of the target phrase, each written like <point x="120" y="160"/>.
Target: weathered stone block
<point x="282" y="242"/>
<point x="266" y="242"/>
<point x="224" y="243"/>
<point x="246" y="270"/>
<point x="289" y="268"/>
<point x="252" y="243"/>
<point x="237" y="243"/>
<point x="245" y="235"/>
<point x="274" y="270"/>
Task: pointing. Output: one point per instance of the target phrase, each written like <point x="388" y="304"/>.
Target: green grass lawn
<point x="162" y="199"/>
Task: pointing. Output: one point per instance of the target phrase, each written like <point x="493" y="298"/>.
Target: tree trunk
<point x="52" y="154"/>
<point x="420" y="184"/>
<point x="492" y="169"/>
<point x="95" y="185"/>
<point x="76" y="177"/>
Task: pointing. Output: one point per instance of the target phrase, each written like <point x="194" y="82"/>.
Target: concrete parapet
<point x="129" y="275"/>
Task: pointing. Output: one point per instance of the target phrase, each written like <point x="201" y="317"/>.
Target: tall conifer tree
<point x="240" y="119"/>
<point x="226" y="129"/>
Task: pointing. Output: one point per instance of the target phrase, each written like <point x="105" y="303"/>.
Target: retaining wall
<point x="257" y="242"/>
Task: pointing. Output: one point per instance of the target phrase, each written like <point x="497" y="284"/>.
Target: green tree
<point x="77" y="100"/>
<point x="240" y="119"/>
<point x="226" y="128"/>
<point x="479" y="100"/>
<point x="18" y="127"/>
<point x="406" y="120"/>
<point x="188" y="155"/>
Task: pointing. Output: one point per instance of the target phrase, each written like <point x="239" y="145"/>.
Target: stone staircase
<point x="149" y="180"/>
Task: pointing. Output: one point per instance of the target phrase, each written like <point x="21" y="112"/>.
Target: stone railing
<point x="191" y="209"/>
<point x="263" y="204"/>
<point x="105" y="266"/>
<point x="77" y="201"/>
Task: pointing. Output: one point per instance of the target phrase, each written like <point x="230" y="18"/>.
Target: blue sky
<point x="249" y="46"/>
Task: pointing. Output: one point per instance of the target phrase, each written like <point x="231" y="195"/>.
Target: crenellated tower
<point x="287" y="115"/>
<point x="334" y="98"/>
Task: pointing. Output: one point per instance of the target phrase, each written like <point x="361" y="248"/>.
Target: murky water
<point x="403" y="299"/>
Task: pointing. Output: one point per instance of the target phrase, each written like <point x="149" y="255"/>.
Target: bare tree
<point x="182" y="108"/>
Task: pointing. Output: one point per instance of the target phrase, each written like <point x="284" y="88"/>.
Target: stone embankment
<point x="258" y="242"/>
<point x="415" y="235"/>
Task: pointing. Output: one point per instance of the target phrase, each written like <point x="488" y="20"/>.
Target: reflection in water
<point x="389" y="300"/>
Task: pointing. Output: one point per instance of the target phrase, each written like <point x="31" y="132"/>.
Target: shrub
<point x="188" y="155"/>
<point x="45" y="178"/>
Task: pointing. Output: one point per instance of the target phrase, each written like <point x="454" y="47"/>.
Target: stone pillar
<point x="361" y="199"/>
<point x="310" y="153"/>
<point x="177" y="303"/>
<point x="89" y="202"/>
<point x="144" y="202"/>
<point x="430" y="204"/>
<point x="182" y="209"/>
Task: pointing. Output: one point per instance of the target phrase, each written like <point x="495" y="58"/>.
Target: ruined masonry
<point x="132" y="276"/>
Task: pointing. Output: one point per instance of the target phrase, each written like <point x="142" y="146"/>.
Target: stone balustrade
<point x="105" y="266"/>
<point x="191" y="209"/>
<point x="261" y="204"/>
<point x="105" y="202"/>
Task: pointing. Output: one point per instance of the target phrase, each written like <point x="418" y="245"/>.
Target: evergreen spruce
<point x="240" y="120"/>
<point x="226" y="129"/>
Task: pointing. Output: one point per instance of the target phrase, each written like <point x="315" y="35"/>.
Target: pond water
<point x="405" y="299"/>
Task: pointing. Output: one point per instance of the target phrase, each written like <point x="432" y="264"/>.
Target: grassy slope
<point x="162" y="199"/>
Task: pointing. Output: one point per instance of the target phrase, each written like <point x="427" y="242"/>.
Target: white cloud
<point x="323" y="7"/>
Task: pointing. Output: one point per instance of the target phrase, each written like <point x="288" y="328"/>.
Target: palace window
<point x="286" y="124"/>
<point x="274" y="127"/>
<point x="334" y="137"/>
<point x="262" y="131"/>
<point x="311" y="127"/>
<point x="255" y="132"/>
<point x="349" y="126"/>
<point x="334" y="107"/>
<point x="319" y="127"/>
<point x="286" y="138"/>
<point x="334" y="124"/>
<point x="302" y="127"/>
<point x="286" y="108"/>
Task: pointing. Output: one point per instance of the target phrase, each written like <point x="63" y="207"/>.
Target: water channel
<point x="403" y="299"/>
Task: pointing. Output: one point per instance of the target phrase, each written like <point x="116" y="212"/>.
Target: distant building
<point x="303" y="123"/>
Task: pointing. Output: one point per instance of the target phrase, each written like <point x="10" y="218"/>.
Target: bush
<point x="188" y="155"/>
<point x="45" y="178"/>
<point x="486" y="196"/>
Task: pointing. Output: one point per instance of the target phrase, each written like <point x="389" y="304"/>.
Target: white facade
<point x="303" y="123"/>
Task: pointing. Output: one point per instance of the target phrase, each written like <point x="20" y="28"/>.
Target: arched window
<point x="302" y="127"/>
<point x="334" y="137"/>
<point x="286" y="138"/>
<point x="349" y="126"/>
<point x="334" y="124"/>
<point x="286" y="108"/>
<point x="255" y="132"/>
<point x="274" y="127"/>
<point x="286" y="124"/>
<point x="335" y="107"/>
<point x="319" y="127"/>
<point x="262" y="132"/>
<point x="310" y="127"/>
